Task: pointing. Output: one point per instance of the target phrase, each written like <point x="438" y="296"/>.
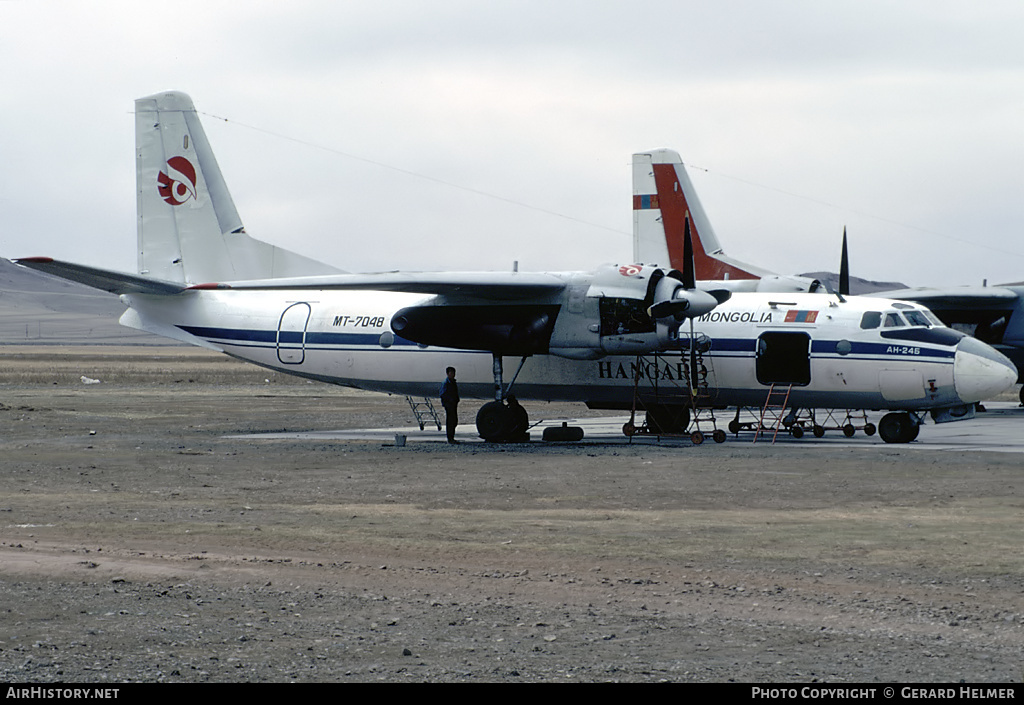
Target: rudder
<point x="663" y="195"/>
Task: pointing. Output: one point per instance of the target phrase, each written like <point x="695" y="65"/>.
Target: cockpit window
<point x="933" y="318"/>
<point x="893" y="320"/>
<point x="917" y="318"/>
<point x="871" y="319"/>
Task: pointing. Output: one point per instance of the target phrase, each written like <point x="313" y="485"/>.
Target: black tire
<point x="869" y="429"/>
<point x="718" y="436"/>
<point x="818" y="431"/>
<point x="916" y="430"/>
<point x="664" y="418"/>
<point x="494" y="421"/>
<point x="697" y="438"/>
<point x="519" y="420"/>
<point x="563" y="434"/>
<point x="849" y="430"/>
<point x="734" y="427"/>
<point x="897" y="428"/>
<point x="797" y="431"/>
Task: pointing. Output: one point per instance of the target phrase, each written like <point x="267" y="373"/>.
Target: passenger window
<point x="893" y="320"/>
<point x="871" y="319"/>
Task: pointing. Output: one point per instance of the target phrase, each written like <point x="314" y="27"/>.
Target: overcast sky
<point x="466" y="135"/>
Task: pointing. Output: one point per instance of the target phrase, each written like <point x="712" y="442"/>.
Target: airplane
<point x="996" y="312"/>
<point x="613" y="338"/>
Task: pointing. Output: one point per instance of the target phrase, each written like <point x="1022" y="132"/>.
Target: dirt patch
<point x="137" y="543"/>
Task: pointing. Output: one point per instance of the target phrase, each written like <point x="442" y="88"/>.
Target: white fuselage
<point x="810" y="341"/>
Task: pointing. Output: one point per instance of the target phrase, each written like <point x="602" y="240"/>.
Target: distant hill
<point x="858" y="286"/>
<point x="39" y="309"/>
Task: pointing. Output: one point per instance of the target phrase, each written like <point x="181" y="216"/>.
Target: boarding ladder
<point x="424" y="411"/>
<point x="698" y="395"/>
<point x="774" y="409"/>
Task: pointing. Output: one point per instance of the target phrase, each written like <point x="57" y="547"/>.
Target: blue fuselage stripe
<point x="721" y="347"/>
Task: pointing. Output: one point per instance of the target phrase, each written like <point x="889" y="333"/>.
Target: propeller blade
<point x="693" y="363"/>
<point x="844" y="270"/>
<point x="721" y="295"/>
<point x="664" y="309"/>
<point x="689" y="275"/>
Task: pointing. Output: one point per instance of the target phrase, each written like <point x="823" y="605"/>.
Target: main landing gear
<point x="498" y="422"/>
<point x="503" y="419"/>
<point x="899" y="427"/>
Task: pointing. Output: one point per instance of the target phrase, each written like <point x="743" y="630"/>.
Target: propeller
<point x="844" y="270"/>
<point x="844" y="275"/>
<point x="676" y="297"/>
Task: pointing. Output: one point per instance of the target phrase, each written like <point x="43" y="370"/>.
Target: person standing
<point x="450" y="402"/>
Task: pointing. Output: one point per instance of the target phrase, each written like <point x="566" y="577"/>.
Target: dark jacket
<point x="449" y="393"/>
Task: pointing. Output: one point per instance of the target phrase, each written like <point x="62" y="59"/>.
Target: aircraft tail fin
<point x="663" y="196"/>
<point x="188" y="228"/>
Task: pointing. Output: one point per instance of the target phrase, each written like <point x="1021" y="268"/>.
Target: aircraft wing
<point x="497" y="286"/>
<point x="971" y="298"/>
<point x="490" y="286"/>
<point x="105" y="279"/>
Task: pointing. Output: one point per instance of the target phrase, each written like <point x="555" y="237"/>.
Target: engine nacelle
<point x="788" y="283"/>
<point x="775" y="283"/>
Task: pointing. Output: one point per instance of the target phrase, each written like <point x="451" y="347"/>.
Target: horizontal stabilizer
<point x="105" y="279"/>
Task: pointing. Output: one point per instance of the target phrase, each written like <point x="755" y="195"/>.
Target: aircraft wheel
<point x="519" y="420"/>
<point x="849" y="430"/>
<point x="734" y="427"/>
<point x="797" y="431"/>
<point x="494" y="421"/>
<point x="818" y="431"/>
<point x="869" y="429"/>
<point x="664" y="418"/>
<point x="628" y="429"/>
<point x="718" y="436"/>
<point x="697" y="438"/>
<point x="897" y="428"/>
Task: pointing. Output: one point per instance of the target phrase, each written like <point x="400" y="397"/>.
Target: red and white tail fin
<point x="662" y="196"/>
<point x="188" y="228"/>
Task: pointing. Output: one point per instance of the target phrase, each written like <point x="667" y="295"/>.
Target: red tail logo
<point x="178" y="184"/>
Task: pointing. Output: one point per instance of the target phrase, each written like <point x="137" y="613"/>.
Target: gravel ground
<point x="137" y="543"/>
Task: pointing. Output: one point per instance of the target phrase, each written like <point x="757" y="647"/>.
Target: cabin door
<point x="784" y="358"/>
<point x="291" y="333"/>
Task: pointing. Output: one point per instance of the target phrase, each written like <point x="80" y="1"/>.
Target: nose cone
<point x="980" y="371"/>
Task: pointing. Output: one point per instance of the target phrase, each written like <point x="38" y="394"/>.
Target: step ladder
<point x="424" y="411"/>
<point x="775" y="409"/>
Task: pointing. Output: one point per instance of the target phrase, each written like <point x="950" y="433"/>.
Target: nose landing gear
<point x="899" y="427"/>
